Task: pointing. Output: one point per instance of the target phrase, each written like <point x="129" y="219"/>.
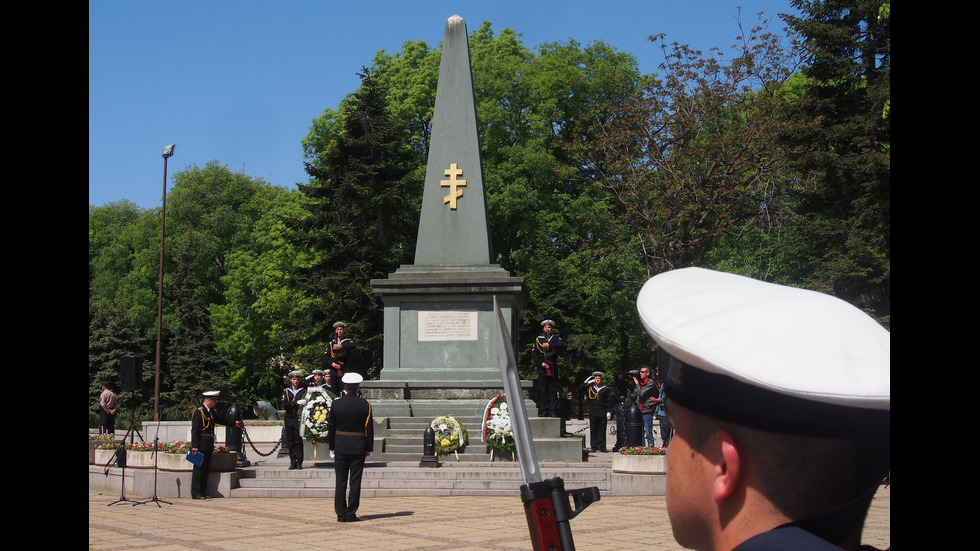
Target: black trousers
<point x="597" y="431"/>
<point x="292" y="440"/>
<point x="107" y="422"/>
<point x="347" y="466"/>
<point x="547" y="396"/>
<point x="199" y="476"/>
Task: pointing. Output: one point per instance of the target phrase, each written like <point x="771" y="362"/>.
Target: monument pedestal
<point x="438" y="320"/>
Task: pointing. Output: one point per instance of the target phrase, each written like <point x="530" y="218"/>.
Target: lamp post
<point x="168" y="151"/>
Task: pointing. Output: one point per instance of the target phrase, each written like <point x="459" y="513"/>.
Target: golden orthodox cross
<point x="452" y="183"/>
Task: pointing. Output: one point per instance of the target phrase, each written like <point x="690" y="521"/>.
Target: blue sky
<point x="240" y="82"/>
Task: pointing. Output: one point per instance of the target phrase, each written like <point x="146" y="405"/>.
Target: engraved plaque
<point x="447" y="325"/>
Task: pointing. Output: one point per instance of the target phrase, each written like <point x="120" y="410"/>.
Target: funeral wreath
<point x="450" y="434"/>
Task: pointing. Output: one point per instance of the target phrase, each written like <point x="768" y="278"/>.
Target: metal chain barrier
<point x="245" y="434"/>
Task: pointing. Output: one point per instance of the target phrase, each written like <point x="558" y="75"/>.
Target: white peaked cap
<point x="768" y="345"/>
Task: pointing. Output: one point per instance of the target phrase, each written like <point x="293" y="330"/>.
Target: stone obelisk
<point x="440" y="343"/>
<point x="438" y="311"/>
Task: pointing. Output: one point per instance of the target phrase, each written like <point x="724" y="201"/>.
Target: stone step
<point x="448" y="469"/>
<point x="430" y="409"/>
<point x="408" y="479"/>
<point x="328" y="493"/>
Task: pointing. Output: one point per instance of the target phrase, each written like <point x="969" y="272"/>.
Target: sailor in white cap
<point x="350" y="438"/>
<point x="338" y="356"/>
<point x="779" y="398"/>
<point x="318" y="380"/>
<point x="544" y="353"/>
<point x="202" y="441"/>
<point x="293" y="399"/>
<point x="600" y="404"/>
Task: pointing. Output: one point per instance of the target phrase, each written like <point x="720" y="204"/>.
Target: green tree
<point x="218" y="208"/>
<point x="124" y="248"/>
<point x="839" y="139"/>
<point x="248" y="326"/>
<point x="192" y="361"/>
<point x="112" y="335"/>
<point x="663" y="171"/>
<point x="363" y="206"/>
<point x="691" y="158"/>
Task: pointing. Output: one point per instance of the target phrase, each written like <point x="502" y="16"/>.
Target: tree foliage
<point x="363" y="207"/>
<point x="193" y="364"/>
<point x="839" y="138"/>
<point x="112" y="335"/>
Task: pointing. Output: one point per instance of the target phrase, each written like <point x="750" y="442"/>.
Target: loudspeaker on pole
<point x="131" y="373"/>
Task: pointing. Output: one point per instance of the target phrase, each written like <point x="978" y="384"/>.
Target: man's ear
<point x="728" y="470"/>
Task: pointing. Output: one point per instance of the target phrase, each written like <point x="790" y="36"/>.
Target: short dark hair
<point x="804" y="475"/>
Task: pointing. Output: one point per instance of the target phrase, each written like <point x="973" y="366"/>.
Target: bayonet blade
<point x="526" y="455"/>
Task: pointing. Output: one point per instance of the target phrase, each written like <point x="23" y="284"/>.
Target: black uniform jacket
<point x="350" y="428"/>
<point x="202" y="425"/>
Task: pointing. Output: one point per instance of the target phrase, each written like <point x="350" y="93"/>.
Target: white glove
<point x="331" y="454"/>
<point x="608" y="415"/>
<point x="301" y="402"/>
<point x="368" y="454"/>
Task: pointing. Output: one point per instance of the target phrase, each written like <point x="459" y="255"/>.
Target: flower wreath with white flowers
<point x="450" y="434"/>
<point x="498" y="432"/>
<point x="314" y="417"/>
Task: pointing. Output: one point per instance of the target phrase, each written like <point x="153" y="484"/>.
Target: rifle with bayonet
<point x="546" y="502"/>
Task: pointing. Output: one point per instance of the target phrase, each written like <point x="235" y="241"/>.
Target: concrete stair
<point x="401" y="425"/>
<point x="380" y="479"/>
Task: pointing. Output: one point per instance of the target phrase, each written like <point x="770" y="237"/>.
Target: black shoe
<point x="291" y="467"/>
<point x="353" y="518"/>
<point x="298" y="467"/>
<point x="200" y="497"/>
<point x="341" y="519"/>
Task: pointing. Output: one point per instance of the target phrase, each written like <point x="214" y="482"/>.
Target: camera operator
<point x="645" y="394"/>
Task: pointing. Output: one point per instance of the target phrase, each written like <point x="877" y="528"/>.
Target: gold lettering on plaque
<point x="452" y="183"/>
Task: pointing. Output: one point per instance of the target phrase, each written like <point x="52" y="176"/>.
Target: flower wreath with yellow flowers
<point x="450" y="434"/>
<point x="315" y="413"/>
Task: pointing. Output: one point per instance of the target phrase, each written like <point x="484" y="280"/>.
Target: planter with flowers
<point x="96" y="440"/>
<point x="640" y="460"/>
<point x="170" y="456"/>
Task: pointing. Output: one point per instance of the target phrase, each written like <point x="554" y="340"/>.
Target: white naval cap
<point x="767" y="355"/>
<point x="352" y="379"/>
<point x="211" y="394"/>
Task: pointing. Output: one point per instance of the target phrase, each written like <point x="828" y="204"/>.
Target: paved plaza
<point x="390" y="523"/>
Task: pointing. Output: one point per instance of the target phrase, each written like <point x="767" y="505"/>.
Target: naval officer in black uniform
<point x="350" y="437"/>
<point x="202" y="441"/>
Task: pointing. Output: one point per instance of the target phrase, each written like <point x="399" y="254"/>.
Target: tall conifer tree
<point x="363" y="210"/>
<point x="192" y="362"/>
<point x="839" y="141"/>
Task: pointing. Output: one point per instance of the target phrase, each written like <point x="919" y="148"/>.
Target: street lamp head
<point x="168" y="150"/>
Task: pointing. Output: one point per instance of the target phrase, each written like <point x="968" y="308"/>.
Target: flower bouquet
<point x="314" y="416"/>
<point x="498" y="432"/>
<point x="450" y="435"/>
